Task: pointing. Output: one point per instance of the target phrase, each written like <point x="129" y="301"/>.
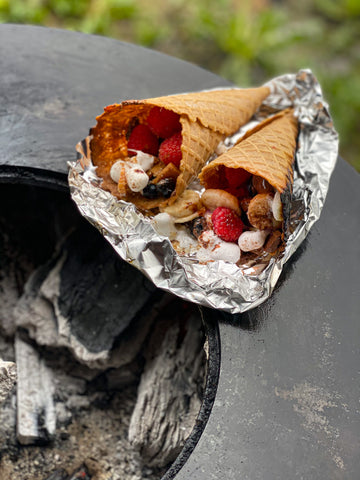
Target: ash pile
<point x="101" y="374"/>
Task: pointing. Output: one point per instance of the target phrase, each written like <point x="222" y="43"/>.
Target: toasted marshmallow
<point x="164" y="225"/>
<point x="115" y="170"/>
<point x="136" y="178"/>
<point x="252" y="240"/>
<point x="145" y="160"/>
<point x="213" y="248"/>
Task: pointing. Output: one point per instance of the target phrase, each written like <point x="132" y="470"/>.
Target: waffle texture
<point x="206" y="119"/>
<point x="267" y="151"/>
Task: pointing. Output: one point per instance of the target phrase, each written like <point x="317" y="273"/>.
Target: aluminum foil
<point x="218" y="284"/>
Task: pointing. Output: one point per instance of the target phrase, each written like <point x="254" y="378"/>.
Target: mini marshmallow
<point x="116" y="170"/>
<point x="226" y="251"/>
<point x="164" y="225"/>
<point x="221" y="148"/>
<point x="185" y="241"/>
<point x="208" y="237"/>
<point x="145" y="160"/>
<point x="252" y="240"/>
<point x="136" y="178"/>
<point x="216" y="249"/>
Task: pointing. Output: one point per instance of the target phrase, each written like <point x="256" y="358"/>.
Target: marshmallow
<point x="226" y="251"/>
<point x="164" y="225"/>
<point x="145" y="160"/>
<point x="252" y="240"/>
<point x="216" y="249"/>
<point x="115" y="170"/>
<point x="221" y="148"/>
<point x="136" y="178"/>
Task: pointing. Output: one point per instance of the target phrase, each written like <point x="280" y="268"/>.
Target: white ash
<point x="7" y="379"/>
<point x="92" y="423"/>
<point x="93" y="432"/>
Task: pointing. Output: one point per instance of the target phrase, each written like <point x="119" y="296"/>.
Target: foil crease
<point x="218" y="284"/>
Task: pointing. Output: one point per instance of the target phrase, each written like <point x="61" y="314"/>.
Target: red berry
<point x="170" y="150"/>
<point x="236" y="176"/>
<point x="163" y="123"/>
<point x="227" y="224"/>
<point x="141" y="138"/>
<point x="240" y="192"/>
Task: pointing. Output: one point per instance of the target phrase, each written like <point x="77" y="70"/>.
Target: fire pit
<point x="111" y="372"/>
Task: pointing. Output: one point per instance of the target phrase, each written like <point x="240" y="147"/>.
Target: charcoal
<point x="59" y="474"/>
<point x="118" y="378"/>
<point x="99" y="292"/>
<point x="12" y="268"/>
<point x="36" y="419"/>
<point x="169" y="394"/>
<point x="31" y="226"/>
<point x="84" y="298"/>
<point x="87" y="328"/>
<point x="80" y="473"/>
<point x="9" y="296"/>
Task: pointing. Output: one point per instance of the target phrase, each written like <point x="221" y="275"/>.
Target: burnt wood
<point x="34" y="399"/>
<point x="171" y="385"/>
<point x="287" y="400"/>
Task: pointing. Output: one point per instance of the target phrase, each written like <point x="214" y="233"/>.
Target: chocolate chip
<point x="166" y="187"/>
<point x="261" y="185"/>
<point x="198" y="225"/>
<point x="273" y="242"/>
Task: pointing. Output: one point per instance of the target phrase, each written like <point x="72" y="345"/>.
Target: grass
<point x="247" y="42"/>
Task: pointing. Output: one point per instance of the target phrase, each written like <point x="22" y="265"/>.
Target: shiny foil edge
<point x="218" y="284"/>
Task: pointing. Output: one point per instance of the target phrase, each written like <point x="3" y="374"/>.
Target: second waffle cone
<point x="266" y="151"/>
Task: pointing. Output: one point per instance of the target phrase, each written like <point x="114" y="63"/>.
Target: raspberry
<point x="240" y="192"/>
<point x="236" y="176"/>
<point x="141" y="138"/>
<point x="170" y="150"/>
<point x="227" y="224"/>
<point x="163" y="123"/>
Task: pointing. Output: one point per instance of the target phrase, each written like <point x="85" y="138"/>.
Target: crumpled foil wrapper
<point x="218" y="284"/>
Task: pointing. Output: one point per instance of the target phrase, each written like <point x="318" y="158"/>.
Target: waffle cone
<point x="206" y="119"/>
<point x="223" y="111"/>
<point x="267" y="151"/>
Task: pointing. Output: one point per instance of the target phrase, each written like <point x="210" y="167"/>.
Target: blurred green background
<point x="247" y="42"/>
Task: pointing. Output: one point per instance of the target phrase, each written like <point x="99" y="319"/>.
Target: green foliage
<point x="338" y="10"/>
<point x="246" y="41"/>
